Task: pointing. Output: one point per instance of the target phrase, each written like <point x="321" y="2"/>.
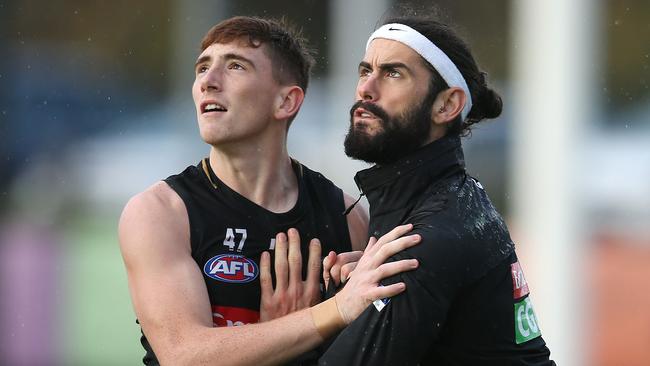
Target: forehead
<point x="237" y="47"/>
<point x="383" y="50"/>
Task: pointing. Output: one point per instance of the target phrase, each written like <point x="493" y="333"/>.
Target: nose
<point x="367" y="88"/>
<point x="211" y="80"/>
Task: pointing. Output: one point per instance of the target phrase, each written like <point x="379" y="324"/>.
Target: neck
<point x="430" y="162"/>
<point x="437" y="132"/>
<point x="261" y="172"/>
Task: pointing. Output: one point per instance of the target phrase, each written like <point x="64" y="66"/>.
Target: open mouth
<point x="212" y="107"/>
<point x="362" y="113"/>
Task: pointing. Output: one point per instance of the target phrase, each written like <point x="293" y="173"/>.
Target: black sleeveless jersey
<point x="228" y="234"/>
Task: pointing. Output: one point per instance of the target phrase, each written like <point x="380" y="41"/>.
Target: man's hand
<point x="337" y="267"/>
<point x="362" y="287"/>
<point x="291" y="293"/>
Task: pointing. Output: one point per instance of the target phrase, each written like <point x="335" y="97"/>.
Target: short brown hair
<point x="290" y="56"/>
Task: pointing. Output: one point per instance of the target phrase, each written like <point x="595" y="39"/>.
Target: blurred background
<point x="95" y="106"/>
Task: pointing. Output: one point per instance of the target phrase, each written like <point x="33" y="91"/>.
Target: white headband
<point x="430" y="52"/>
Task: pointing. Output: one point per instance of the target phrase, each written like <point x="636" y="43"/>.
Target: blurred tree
<point x="73" y="69"/>
<point x="626" y="81"/>
<point x="310" y="15"/>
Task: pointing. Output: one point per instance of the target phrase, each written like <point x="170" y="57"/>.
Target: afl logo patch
<point x="231" y="268"/>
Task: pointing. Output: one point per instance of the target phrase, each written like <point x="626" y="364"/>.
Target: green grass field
<point x="97" y="319"/>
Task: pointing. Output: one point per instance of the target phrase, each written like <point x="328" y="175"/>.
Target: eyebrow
<point x="387" y="66"/>
<point x="201" y="60"/>
<point x="225" y="57"/>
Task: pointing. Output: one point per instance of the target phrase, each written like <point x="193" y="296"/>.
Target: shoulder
<point x="153" y="218"/>
<point x="189" y="174"/>
<point x="357" y="223"/>
<point x="314" y="176"/>
<point x="461" y="230"/>
<point x="337" y="202"/>
<point x="457" y="208"/>
<point x="156" y="202"/>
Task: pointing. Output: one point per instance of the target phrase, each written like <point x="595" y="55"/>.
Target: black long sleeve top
<point x="468" y="302"/>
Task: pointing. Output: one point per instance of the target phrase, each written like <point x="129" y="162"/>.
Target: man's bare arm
<point x="171" y="300"/>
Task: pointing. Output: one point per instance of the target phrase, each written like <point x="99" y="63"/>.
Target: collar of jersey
<point x="289" y="216"/>
<point x="429" y="163"/>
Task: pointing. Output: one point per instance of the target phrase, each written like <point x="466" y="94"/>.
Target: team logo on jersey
<point x="231" y="268"/>
<point x="380" y="304"/>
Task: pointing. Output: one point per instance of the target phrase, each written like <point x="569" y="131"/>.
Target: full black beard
<point x="400" y="135"/>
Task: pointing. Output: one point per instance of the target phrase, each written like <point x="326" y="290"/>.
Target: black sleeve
<point x="401" y="332"/>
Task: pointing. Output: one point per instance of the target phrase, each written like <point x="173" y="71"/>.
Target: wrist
<point x="327" y="318"/>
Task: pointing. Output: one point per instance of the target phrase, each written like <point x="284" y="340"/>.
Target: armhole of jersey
<point x="337" y="213"/>
<point x="330" y="197"/>
<point x="178" y="184"/>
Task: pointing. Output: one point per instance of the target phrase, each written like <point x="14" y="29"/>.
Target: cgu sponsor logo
<point x="231" y="268"/>
<point x="526" y="325"/>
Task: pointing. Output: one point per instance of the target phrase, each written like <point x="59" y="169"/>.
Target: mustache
<point x="370" y="107"/>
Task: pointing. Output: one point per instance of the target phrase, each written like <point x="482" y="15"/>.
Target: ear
<point x="288" y="102"/>
<point x="448" y="105"/>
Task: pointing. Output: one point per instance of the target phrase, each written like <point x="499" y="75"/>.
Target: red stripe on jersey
<point x="519" y="284"/>
<point x="228" y="316"/>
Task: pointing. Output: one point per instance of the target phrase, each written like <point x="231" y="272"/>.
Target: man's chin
<point x="367" y="122"/>
<point x="354" y="156"/>
<point x="358" y="148"/>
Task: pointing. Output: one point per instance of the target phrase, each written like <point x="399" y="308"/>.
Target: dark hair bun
<point x="487" y="104"/>
<point x="490" y="103"/>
